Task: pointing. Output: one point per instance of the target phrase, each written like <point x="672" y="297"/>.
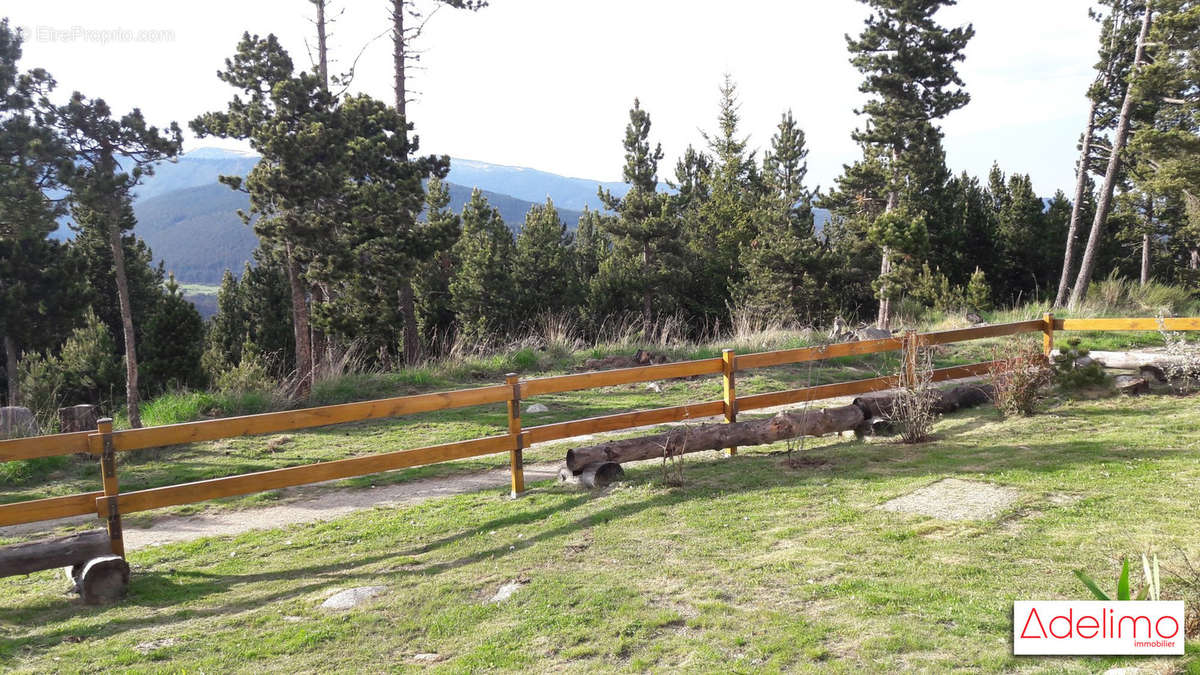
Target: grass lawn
<point x="756" y="562"/>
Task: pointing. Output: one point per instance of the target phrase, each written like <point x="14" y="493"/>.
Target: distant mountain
<point x="197" y="233"/>
<point x="190" y="220"/>
<point x="532" y="185"/>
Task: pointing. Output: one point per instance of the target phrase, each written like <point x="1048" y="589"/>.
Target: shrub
<point x="1019" y="371"/>
<point x="250" y="374"/>
<point x="913" y="411"/>
<point x="1072" y="375"/>
<point x="1182" y="368"/>
<point x="979" y="294"/>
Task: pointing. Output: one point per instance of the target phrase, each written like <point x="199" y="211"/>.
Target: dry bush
<point x="913" y="411"/>
<point x="1182" y="368"/>
<point x="1019" y="372"/>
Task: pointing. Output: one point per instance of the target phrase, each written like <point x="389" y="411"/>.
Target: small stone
<point x="352" y="597"/>
<point x="654" y="387"/>
<point x="506" y="591"/>
<point x="427" y="657"/>
<point x="537" y="408"/>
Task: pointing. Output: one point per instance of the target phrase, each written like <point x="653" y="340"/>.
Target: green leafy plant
<point x="1150" y="588"/>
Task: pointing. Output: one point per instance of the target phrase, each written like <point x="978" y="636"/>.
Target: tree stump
<point x="103" y="580"/>
<point x="77" y="418"/>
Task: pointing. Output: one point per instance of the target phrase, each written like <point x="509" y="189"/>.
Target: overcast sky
<point x="548" y="83"/>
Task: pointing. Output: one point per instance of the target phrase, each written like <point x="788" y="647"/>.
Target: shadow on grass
<point x="708" y="477"/>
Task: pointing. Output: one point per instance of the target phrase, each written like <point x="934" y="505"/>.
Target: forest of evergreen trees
<point x="358" y="247"/>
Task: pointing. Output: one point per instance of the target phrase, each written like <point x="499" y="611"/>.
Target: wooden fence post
<point x="516" y="459"/>
<point x="102" y="445"/>
<point x="729" y="372"/>
<point x="1048" y="331"/>
<point x="910" y="359"/>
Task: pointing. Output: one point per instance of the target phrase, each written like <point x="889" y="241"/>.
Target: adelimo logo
<point x="1097" y="627"/>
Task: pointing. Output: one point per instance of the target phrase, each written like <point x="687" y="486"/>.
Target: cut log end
<point x="103" y="580"/>
<point x="593" y="476"/>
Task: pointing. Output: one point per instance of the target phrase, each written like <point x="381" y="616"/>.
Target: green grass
<point x="754" y="563"/>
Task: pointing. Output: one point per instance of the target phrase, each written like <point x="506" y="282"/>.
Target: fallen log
<point x="1153" y="362"/>
<point x="46" y="554"/>
<point x="865" y="412"/>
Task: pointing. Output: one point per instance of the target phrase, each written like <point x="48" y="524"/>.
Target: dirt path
<point x="327" y="503"/>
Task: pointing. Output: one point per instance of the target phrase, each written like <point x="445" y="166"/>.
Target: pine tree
<point x="979" y="294"/>
<point x="481" y="290"/>
<point x="111" y="157"/>
<point x="908" y="61"/>
<point x="38" y="293"/>
<point x="174" y="344"/>
<point x="785" y="275"/>
<point x="289" y="119"/>
<point x="544" y="264"/>
<point x="646" y="232"/>
<point x="1111" y="174"/>
<point x="1117" y="42"/>
<point x="435" y="315"/>
<point x="725" y="220"/>
<point x="229" y="327"/>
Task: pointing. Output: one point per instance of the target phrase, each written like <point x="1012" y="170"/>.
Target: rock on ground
<point x="352" y="597"/>
<point x="537" y="408"/>
<point x="955" y="499"/>
<point x="506" y="591"/>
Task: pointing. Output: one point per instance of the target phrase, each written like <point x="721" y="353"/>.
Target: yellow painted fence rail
<point x="105" y="443"/>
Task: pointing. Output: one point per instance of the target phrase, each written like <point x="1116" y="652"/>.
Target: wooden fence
<point x="110" y="503"/>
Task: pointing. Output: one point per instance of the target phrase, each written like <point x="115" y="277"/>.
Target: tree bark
<point x="884" y="319"/>
<point x="399" y="85"/>
<point x="1145" y="259"/>
<point x="412" y="337"/>
<point x="1195" y="259"/>
<point x="1145" y="276"/>
<point x="1104" y="203"/>
<point x="322" y="53"/>
<point x="300" y="325"/>
<point x="1077" y="207"/>
<point x="46" y="554"/>
<point x="132" y="400"/>
<point x="647" y="290"/>
<point x="863" y="411"/>
<point x="716" y="436"/>
<point x="12" y="371"/>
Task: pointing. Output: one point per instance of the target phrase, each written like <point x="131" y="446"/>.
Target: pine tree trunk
<point x="1104" y="203"/>
<point x="300" y="325"/>
<point x="322" y="54"/>
<point x="399" y="85"/>
<point x="1145" y="259"/>
<point x="884" y="319"/>
<point x="320" y="341"/>
<point x="408" y="303"/>
<point x="12" y="370"/>
<point x="647" y="290"/>
<point x="132" y="401"/>
<point x="412" y="338"/>
<point x="885" y="303"/>
<point x="1077" y="206"/>
<point x="1195" y="261"/>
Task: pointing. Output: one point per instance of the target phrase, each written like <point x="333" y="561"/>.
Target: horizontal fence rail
<point x="110" y="503"/>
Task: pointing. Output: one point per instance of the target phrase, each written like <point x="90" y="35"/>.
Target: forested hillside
<point x="197" y="233"/>
<point x="363" y="242"/>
